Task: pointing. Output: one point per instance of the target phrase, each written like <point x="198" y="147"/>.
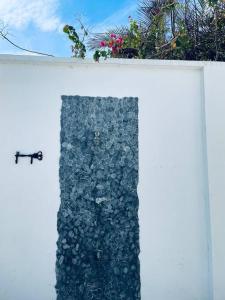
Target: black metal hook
<point x="38" y="155"/>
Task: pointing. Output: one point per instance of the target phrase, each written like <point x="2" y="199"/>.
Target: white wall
<point x="181" y="253"/>
<point x="215" y="126"/>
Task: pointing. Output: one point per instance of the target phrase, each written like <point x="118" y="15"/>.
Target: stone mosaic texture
<point x="98" y="244"/>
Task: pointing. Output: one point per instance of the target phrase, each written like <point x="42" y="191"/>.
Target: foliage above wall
<point x="78" y="48"/>
<point x="165" y="29"/>
<point x="126" y="43"/>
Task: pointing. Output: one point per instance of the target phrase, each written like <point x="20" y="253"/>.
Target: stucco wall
<point x="181" y="171"/>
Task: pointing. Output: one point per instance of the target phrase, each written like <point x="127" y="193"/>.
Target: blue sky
<point x="37" y="24"/>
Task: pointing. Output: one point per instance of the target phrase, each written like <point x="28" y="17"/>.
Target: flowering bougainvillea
<point x="115" y="43"/>
<point x="110" y="46"/>
<point x="164" y="30"/>
<point x="118" y="45"/>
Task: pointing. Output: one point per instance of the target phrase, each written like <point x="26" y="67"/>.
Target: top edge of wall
<point x="28" y="59"/>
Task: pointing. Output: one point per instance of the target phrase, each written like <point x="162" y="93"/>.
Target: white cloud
<point x="20" y="13"/>
<point x="120" y="17"/>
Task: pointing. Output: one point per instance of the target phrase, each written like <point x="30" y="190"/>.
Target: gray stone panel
<point x="98" y="244"/>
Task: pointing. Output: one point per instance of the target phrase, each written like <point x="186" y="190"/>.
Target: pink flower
<point x="102" y="43"/>
<point x="119" y="40"/>
<point x="113" y="35"/>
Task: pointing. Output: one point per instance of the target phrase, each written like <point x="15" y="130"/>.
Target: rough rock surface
<point x="98" y="244"/>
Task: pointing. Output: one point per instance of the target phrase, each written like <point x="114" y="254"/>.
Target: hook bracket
<point x="37" y="155"/>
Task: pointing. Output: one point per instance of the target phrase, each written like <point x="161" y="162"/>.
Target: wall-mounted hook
<point x="38" y="155"/>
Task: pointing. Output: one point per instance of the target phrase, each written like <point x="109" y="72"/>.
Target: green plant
<point x="101" y="53"/>
<point x="165" y="29"/>
<point x="78" y="47"/>
<point x="133" y="39"/>
<point x="188" y="30"/>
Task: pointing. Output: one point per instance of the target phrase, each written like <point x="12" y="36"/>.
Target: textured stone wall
<point x="98" y="244"/>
